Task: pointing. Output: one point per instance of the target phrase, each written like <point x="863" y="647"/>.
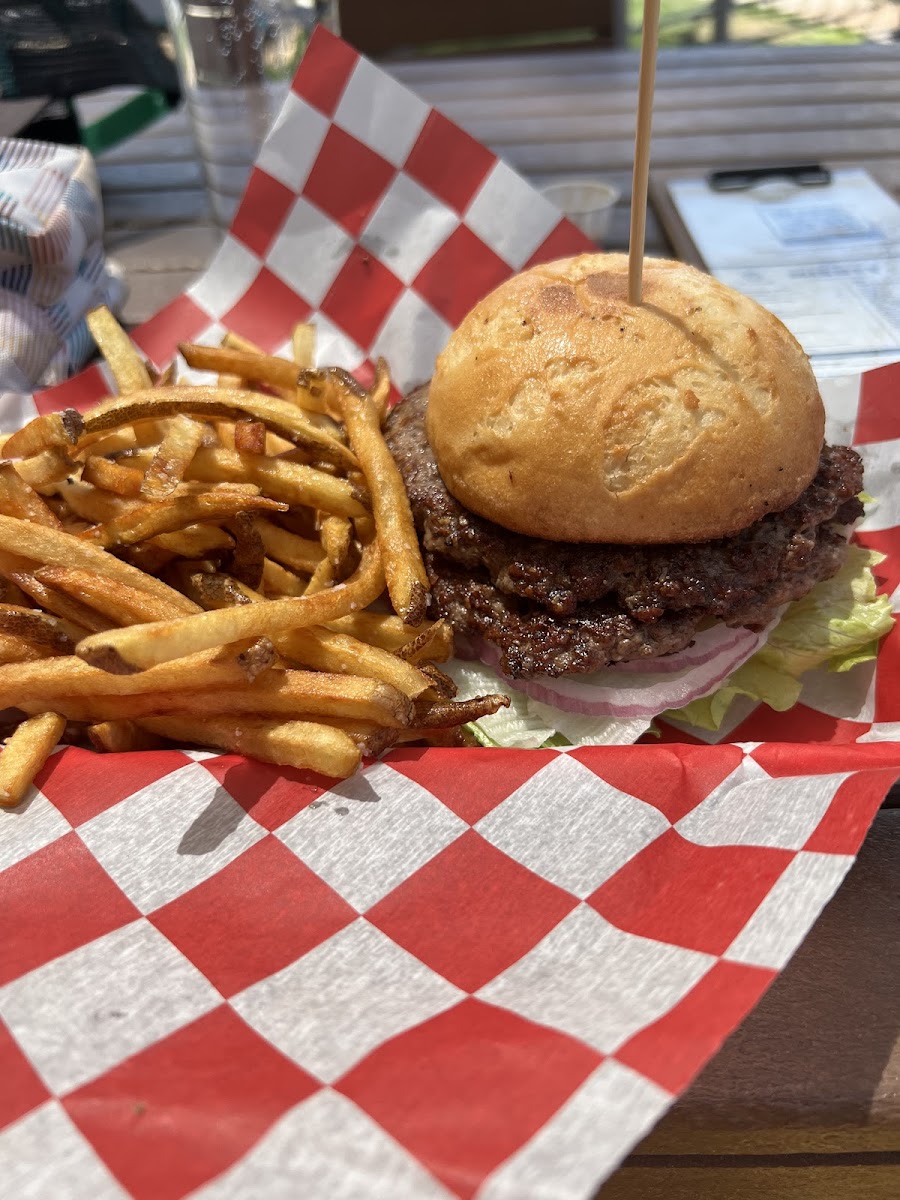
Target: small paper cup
<point x="588" y="203"/>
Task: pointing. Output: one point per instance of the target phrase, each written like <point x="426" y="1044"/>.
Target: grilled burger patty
<point x="555" y="607"/>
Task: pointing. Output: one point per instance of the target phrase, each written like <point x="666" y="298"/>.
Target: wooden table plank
<point x="692" y="151"/>
<point x="512" y="128"/>
<point x="602" y="98"/>
<point x="794" y="1180"/>
<point x="492" y="66"/>
<point x="518" y="75"/>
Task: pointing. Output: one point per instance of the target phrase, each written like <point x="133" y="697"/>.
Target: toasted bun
<point x="561" y="411"/>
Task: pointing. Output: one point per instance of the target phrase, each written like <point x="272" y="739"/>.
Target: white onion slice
<point x="642" y="692"/>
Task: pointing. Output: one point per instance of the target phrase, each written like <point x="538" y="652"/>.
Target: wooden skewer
<point x="641" y="174"/>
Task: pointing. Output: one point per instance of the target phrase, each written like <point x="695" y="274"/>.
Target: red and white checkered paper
<point x="463" y="973"/>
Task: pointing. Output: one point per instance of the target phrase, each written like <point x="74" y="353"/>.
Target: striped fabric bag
<point x="52" y="264"/>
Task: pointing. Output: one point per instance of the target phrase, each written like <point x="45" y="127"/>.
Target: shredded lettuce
<point x="837" y="625"/>
<point x="528" y="723"/>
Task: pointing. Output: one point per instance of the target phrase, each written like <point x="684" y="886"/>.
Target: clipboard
<point x="676" y="231"/>
<point x="825" y="259"/>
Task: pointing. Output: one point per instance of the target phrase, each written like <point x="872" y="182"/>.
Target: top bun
<point x="561" y="411"/>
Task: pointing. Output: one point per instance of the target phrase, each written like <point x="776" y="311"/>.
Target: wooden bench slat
<point x="692" y="151"/>
<point x="602" y="100"/>
<point x="831" y="119"/>
<point x="852" y="1180"/>
<point x="571" y="61"/>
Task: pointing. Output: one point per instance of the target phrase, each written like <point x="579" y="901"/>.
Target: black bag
<point x="62" y="48"/>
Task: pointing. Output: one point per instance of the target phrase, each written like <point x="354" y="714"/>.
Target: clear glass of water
<point x="236" y="59"/>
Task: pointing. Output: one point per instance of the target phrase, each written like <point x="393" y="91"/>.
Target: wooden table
<point x="804" y="1100"/>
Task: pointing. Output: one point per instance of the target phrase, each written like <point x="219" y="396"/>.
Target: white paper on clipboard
<point x="826" y="260"/>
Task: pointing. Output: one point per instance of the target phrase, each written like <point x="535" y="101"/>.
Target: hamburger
<point x="615" y="499"/>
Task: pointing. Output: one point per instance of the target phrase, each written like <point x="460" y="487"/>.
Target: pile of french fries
<point x="199" y="564"/>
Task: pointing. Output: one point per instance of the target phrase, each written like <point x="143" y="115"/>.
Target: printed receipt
<point x="826" y="260"/>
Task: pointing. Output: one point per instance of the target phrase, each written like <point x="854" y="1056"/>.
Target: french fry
<point x="338" y="653"/>
<point x="119" y="441"/>
<point x="303" y="341"/>
<point x="293" y="483"/>
<point x="52" y="679"/>
<point x="92" y="504"/>
<point x="325" y="386"/>
<point x="19" y="499"/>
<point x="249" y="436"/>
<point x="152" y="519"/>
<point x="302" y="554"/>
<point x="122" y="737"/>
<point x="321" y="578"/>
<point x="279" y="581"/>
<point x="303" y="345"/>
<point x="128" y="369"/>
<point x="434" y="643"/>
<point x="46" y="469"/>
<point x="118" y="602"/>
<point x="237" y="341"/>
<point x="142" y="646"/>
<point x="211" y="589"/>
<point x="442" y="685"/>
<point x="444" y="713"/>
<point x="234" y="358"/>
<point x="277" y="415"/>
<point x="277" y="692"/>
<point x="15" y="650"/>
<point x="336" y="534"/>
<point x="25" y="752"/>
<point x="407" y="580"/>
<point x="54" y="430"/>
<point x="49" y="634"/>
<point x="58" y="603"/>
<point x="194" y="541"/>
<point x="371" y="739"/>
<point x="168" y="376"/>
<point x="253" y="523"/>
<point x="58" y="549"/>
<point x="381" y="390"/>
<point x="301" y="744"/>
<point x="179" y="445"/>
<point x="379" y="629"/>
<point x="112" y="476"/>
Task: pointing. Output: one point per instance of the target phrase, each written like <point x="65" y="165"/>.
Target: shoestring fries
<point x="197" y="563"/>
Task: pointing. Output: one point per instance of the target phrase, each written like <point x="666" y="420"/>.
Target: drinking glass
<point x="236" y="59"/>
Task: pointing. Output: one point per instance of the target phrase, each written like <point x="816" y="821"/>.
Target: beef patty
<point x="551" y="608"/>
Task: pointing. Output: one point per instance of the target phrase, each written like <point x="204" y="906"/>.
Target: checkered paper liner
<point x="462" y="973"/>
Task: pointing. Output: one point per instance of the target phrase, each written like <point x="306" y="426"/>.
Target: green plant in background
<point x="685" y="22"/>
